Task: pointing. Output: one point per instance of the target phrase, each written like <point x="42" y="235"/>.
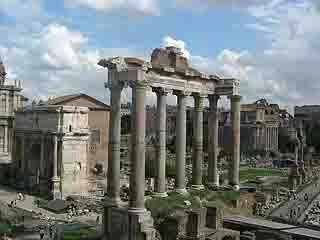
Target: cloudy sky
<point x="272" y="46"/>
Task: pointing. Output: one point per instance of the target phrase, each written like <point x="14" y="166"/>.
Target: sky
<point x="271" y="46"/>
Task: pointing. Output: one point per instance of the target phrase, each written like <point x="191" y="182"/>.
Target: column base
<point x="213" y="186"/>
<point x="197" y="187"/>
<point x="182" y="191"/>
<point x="160" y="194"/>
<point x="235" y="187"/>
<point x="134" y="210"/>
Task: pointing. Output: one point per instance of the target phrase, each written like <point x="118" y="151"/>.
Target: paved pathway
<point x="299" y="205"/>
<point x="7" y="195"/>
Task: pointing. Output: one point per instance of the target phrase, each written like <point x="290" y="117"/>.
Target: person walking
<point x="50" y="232"/>
<point x="41" y="233"/>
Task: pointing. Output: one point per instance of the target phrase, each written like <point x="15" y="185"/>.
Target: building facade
<point x="61" y="145"/>
<point x="10" y="101"/>
<point x="261" y="123"/>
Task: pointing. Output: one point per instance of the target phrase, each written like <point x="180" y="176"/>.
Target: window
<point x="95" y="136"/>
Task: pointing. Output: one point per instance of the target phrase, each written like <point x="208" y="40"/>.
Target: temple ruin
<point x="167" y="73"/>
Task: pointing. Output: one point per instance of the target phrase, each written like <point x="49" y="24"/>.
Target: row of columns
<point x="137" y="177"/>
<point x="272" y="138"/>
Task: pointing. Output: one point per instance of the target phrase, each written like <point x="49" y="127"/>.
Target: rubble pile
<point x="313" y="214"/>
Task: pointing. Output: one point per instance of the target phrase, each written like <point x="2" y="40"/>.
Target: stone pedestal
<point x="123" y="224"/>
<point x="55" y="191"/>
<point x="196" y="223"/>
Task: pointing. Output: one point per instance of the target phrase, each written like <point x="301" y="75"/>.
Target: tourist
<point x="41" y="233"/>
<point x="20" y="196"/>
<point x="50" y="231"/>
<point x="306" y="198"/>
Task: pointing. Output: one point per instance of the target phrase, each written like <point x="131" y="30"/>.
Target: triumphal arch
<point x="168" y="72"/>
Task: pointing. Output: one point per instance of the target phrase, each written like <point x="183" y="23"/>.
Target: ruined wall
<point x="74" y="165"/>
<point x="98" y="148"/>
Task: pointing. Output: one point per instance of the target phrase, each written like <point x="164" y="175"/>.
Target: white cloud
<point x="135" y="7"/>
<point x="58" y="61"/>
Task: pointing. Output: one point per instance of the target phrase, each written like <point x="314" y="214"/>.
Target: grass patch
<point x="78" y="234"/>
<point x="250" y="174"/>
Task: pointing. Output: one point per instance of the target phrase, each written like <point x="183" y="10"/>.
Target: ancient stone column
<point x="235" y="164"/>
<point x="255" y="138"/>
<point x="160" y="181"/>
<point x="5" y="139"/>
<point x="55" y="178"/>
<point x="181" y="143"/>
<point x="113" y="176"/>
<point x="213" y="141"/>
<point x="137" y="181"/>
<point x="198" y="143"/>
<point x="277" y="138"/>
<point x="22" y="154"/>
<point x="42" y="156"/>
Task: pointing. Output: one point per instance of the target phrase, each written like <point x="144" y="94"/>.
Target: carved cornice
<point x="116" y="63"/>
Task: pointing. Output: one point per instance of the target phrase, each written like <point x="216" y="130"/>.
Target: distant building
<point x="261" y="123"/>
<point x="61" y="145"/>
<point x="10" y="101"/>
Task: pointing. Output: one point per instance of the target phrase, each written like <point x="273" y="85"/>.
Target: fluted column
<point x="113" y="177"/>
<point x="235" y="164"/>
<point x="160" y="181"/>
<point x="213" y="141"/>
<point x="198" y="143"/>
<point x="181" y="143"/>
<point x="137" y="181"/>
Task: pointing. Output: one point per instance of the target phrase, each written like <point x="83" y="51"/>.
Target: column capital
<point x="213" y="97"/>
<point x="162" y="91"/>
<point x="198" y="103"/>
<point x="182" y="92"/>
<point x="119" y="85"/>
<point x="199" y="95"/>
<point x="235" y="97"/>
<point x="138" y="84"/>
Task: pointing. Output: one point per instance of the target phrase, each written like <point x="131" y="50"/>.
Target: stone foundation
<point x="121" y="223"/>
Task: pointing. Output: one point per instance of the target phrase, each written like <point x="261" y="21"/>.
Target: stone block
<point x="212" y="218"/>
<point x="173" y="225"/>
<point x="196" y="222"/>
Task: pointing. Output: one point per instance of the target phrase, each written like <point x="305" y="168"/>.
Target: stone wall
<point x="98" y="150"/>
